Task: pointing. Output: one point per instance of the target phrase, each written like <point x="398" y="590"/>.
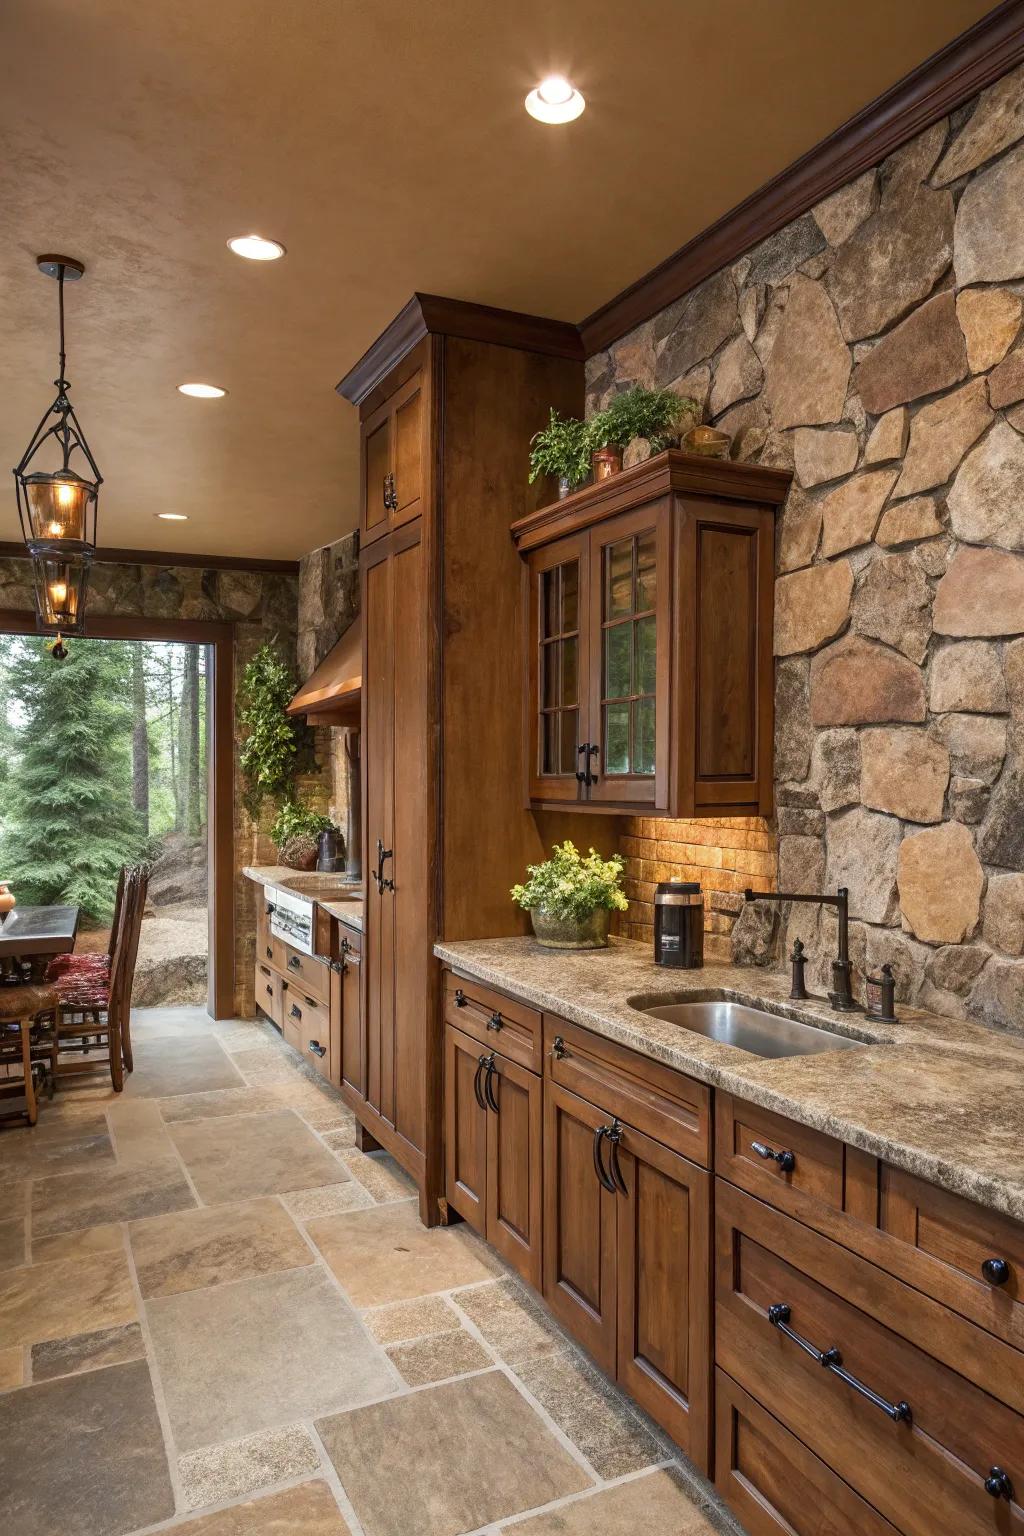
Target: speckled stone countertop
<point x="939" y="1097"/>
<point x="280" y="877"/>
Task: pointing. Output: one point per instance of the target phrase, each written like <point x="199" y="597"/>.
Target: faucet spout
<point x="841" y="996"/>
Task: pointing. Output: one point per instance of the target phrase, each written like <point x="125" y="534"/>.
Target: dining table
<point x="36" y="934"/>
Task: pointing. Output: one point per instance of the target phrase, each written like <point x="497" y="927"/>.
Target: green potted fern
<point x="657" y="415"/>
<point x="562" y="450"/>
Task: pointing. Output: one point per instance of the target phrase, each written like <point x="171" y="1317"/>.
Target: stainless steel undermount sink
<point x="748" y="1029"/>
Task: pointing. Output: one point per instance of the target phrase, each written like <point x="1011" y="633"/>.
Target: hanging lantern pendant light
<point x="57" y="508"/>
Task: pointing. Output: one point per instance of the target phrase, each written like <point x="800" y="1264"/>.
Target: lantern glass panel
<point x="58" y="505"/>
<point x="60" y="582"/>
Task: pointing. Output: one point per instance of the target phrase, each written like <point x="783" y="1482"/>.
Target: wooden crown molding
<point x="15" y="550"/>
<point x="975" y="59"/>
<point x="427" y="314"/>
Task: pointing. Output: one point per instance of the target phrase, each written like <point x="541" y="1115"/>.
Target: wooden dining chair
<point x="23" y="1045"/>
<point x="77" y="963"/>
<point x="127" y="979"/>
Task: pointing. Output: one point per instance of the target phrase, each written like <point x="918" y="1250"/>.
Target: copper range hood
<point x="331" y="695"/>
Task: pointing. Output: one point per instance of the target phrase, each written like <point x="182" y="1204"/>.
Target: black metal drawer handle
<point x="999" y="1485"/>
<point x="996" y="1271"/>
<point x="495" y="1021"/>
<point x="270" y="952"/>
<point x="785" y="1159"/>
<point x="461" y="1000"/>
<point x="294" y="962"/>
<point x="832" y="1360"/>
<point x="559" y="1049"/>
<point x="317" y="1048"/>
<point x="484" y="1064"/>
<point x="296" y="1011"/>
<point x="609" y="1178"/>
<point x="492" y="1072"/>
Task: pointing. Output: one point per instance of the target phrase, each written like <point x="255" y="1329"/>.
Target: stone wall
<point x="874" y="346"/>
<point x="328" y="603"/>
<point x="261" y="606"/>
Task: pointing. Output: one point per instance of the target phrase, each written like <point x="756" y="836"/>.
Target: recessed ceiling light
<point x="172" y="517"/>
<point x="202" y="391"/>
<point x="255" y="248"/>
<point x="555" y="100"/>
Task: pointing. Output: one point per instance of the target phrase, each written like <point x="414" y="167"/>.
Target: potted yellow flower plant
<point x="570" y="898"/>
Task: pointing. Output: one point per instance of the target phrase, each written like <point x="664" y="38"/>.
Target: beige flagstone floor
<point x="218" y="1317"/>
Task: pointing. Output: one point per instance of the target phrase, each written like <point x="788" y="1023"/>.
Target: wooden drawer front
<point x="925" y="1472"/>
<point x="268" y="991"/>
<point x="969" y="1257"/>
<point x="662" y="1103"/>
<point x="792" y="1166"/>
<point x="465" y="1149"/>
<point x="307" y="1024"/>
<point x="500" y="1023"/>
<point x="350" y="940"/>
<point x="305" y="974"/>
<point x="775" y="1485"/>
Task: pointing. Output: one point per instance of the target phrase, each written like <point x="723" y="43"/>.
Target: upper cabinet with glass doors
<point x="649" y="628"/>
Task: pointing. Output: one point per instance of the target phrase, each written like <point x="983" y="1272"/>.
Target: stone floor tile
<point x="223" y="1472"/>
<point x="593" y="1413"/>
<point x="67" y="1445"/>
<point x="191" y="1249"/>
<point x="656" y="1503"/>
<point x="310" y="1509"/>
<point x="87" y="1351"/>
<point x="413" y="1466"/>
<point x="139" y="1133"/>
<point x="12" y="1369"/>
<point x="334" y="1121"/>
<point x="64" y="1146"/>
<point x="262" y="1064"/>
<point x="406" y="1320"/>
<point x="78" y="1245"/>
<point x="512" y="1321"/>
<point x="220" y="1101"/>
<point x="385" y="1254"/>
<point x="380" y="1174"/>
<point x="243" y="1157"/>
<point x="438" y="1357"/>
<point x="338" y="1140"/>
<point x="12" y="1243"/>
<point x="260" y="1353"/>
<point x="165" y="1068"/>
<point x="53" y="1301"/>
<point x="329" y="1201"/>
<point x="175" y="1023"/>
<point x="121" y="1194"/>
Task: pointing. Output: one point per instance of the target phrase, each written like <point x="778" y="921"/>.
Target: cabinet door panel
<point x="378" y="818"/>
<point x="629" y="644"/>
<point x="514" y="1189"/>
<point x="579" y="1225"/>
<point x="558" y="661"/>
<point x="466" y="1129"/>
<point x="408" y="429"/>
<point x="353" y="1032"/>
<point x="376" y="434"/>
<point x="664" y="1288"/>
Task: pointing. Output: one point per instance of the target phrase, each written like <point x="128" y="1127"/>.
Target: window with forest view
<point x="103" y="763"/>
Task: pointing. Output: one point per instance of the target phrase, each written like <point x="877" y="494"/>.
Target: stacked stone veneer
<point x="874" y="346"/>
<point x="261" y="606"/>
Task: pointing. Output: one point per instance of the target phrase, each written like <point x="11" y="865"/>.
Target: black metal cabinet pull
<point x="477" y="1092"/>
<point x="614" y="1138"/>
<point x="461" y="999"/>
<point x="317" y="1048"/>
<point x="492" y="1072"/>
<point x="832" y="1360"/>
<point x="382" y="854"/>
<point x="294" y="962"/>
<point x="611" y="1180"/>
<point x="270" y="952"/>
<point x="390" y="494"/>
<point x="559" y="1049"/>
<point x="495" y="1021"/>
<point x="604" y="1179"/>
<point x="296" y="1011"/>
<point x="998" y="1484"/>
<point x="996" y="1271"/>
<point x="785" y="1159"/>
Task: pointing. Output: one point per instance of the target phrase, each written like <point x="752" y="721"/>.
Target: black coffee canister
<point x="679" y="924"/>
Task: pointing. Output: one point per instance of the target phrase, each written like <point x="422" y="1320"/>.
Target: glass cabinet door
<point x="558" y="689"/>
<point x="629" y="626"/>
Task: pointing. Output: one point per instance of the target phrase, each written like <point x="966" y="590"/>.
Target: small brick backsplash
<point x="726" y="854"/>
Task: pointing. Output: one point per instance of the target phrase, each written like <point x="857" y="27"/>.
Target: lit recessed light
<point x="555" y="100"/>
<point x="172" y="517"/>
<point x="255" y="248"/>
<point x="202" y="391"/>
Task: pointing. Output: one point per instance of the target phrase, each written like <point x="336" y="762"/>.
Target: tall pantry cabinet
<point x="449" y="397"/>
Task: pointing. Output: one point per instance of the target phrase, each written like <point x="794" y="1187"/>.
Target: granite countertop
<point x="939" y="1097"/>
<point x="279" y="877"/>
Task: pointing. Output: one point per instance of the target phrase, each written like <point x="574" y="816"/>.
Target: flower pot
<point x="571" y="933"/>
<point x="298" y="853"/>
<point x="606" y="462"/>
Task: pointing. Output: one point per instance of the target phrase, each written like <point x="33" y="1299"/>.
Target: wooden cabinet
<point x="449" y="397"/>
<point x="493" y="1149"/>
<point x="347" y="981"/>
<point x="626" y="1260"/>
<point x="306" y="1025"/>
<point x="648" y="616"/>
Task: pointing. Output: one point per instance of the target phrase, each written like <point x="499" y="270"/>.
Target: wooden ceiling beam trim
<point x="14" y="549"/>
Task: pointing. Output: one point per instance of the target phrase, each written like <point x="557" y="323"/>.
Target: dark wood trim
<point x="429" y="314"/>
<point x="975" y="59"/>
<point x="220" y="637"/>
<point x="13" y="549"/>
<point x="672" y="470"/>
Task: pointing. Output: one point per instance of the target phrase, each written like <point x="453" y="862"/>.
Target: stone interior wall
<point x="874" y="346"/>
<point x="725" y="854"/>
<point x="328" y="603"/>
<point x="261" y="606"/>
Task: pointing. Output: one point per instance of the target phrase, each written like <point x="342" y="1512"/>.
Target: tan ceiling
<point x="385" y="143"/>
